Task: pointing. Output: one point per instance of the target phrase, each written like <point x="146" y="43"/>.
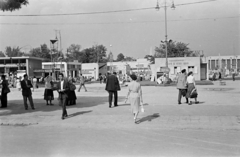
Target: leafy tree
<point x="175" y="49"/>
<point x="150" y="58"/>
<point x="13" y="52"/>
<point x="11" y="5"/>
<point x="120" y="57"/>
<point x="42" y="52"/>
<point x="2" y="54"/>
<point x="74" y="52"/>
<point x="129" y="59"/>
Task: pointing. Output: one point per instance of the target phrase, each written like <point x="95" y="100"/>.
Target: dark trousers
<point x="111" y="96"/>
<point x="180" y="96"/>
<point x="63" y="103"/>
<point x="30" y="101"/>
<point x="4" y="100"/>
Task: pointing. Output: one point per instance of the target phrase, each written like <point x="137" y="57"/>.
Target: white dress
<point x="134" y="97"/>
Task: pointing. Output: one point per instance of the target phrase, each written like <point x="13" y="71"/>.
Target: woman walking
<point x="191" y="88"/>
<point x="18" y="84"/>
<point x="5" y="91"/>
<point x="48" y="93"/>
<point x="135" y="96"/>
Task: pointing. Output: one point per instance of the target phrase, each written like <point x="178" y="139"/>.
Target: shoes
<point x="3" y="107"/>
<point x="179" y="103"/>
<point x="66" y="115"/>
<point x="109" y="106"/>
<point x="85" y="90"/>
<point x="33" y="108"/>
<point x="62" y="118"/>
<point x="190" y="103"/>
<point x="196" y="102"/>
<point x="26" y="108"/>
<point x="47" y="104"/>
<point x="115" y="105"/>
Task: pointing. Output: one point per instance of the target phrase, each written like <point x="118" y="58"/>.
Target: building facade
<point x="197" y="65"/>
<point x="14" y="64"/>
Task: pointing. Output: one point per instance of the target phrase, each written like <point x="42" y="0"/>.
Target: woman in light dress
<point x="191" y="86"/>
<point x="48" y="93"/>
<point x="135" y="96"/>
<point x="18" y="84"/>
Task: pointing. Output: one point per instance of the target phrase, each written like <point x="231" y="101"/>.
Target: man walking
<point x="26" y="92"/>
<point x="82" y="83"/>
<point x="112" y="86"/>
<point x="63" y="89"/>
<point x="182" y="86"/>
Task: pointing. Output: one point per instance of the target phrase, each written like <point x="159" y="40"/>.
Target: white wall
<point x="177" y="64"/>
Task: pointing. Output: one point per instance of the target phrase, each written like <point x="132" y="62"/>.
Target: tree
<point x="74" y="52"/>
<point x="11" y="5"/>
<point x="2" y="54"/>
<point x="42" y="52"/>
<point x="150" y="58"/>
<point x="120" y="57"/>
<point x="175" y="49"/>
<point x="129" y="59"/>
<point x="13" y="52"/>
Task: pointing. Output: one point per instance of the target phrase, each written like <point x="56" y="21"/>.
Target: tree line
<point x="94" y="54"/>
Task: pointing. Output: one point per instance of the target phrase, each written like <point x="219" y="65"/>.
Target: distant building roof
<point x="24" y="57"/>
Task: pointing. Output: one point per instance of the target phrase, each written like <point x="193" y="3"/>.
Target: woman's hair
<point x="133" y="77"/>
<point x="190" y="73"/>
<point x="3" y="76"/>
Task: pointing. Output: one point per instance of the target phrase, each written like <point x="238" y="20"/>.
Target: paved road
<point x="210" y="128"/>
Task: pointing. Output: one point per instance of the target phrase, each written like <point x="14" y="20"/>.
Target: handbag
<point x="194" y="93"/>
<point x="142" y="109"/>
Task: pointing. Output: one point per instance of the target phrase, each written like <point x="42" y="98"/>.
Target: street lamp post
<point x="166" y="41"/>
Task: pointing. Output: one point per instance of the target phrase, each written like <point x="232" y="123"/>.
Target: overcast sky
<point x="212" y="26"/>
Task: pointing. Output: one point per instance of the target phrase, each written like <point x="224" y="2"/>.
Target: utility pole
<point x="165" y="8"/>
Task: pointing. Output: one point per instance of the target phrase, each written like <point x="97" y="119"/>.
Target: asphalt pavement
<point x="210" y="128"/>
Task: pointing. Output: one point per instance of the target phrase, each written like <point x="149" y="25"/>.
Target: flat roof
<point x="24" y="57"/>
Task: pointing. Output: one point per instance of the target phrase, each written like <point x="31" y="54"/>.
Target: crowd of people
<point x="67" y="96"/>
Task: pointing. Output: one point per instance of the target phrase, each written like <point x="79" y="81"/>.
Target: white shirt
<point x="190" y="79"/>
<point x="62" y="84"/>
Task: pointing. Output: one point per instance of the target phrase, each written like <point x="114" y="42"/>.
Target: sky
<point x="211" y="27"/>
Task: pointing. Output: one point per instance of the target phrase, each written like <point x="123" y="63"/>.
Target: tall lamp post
<point x="52" y="45"/>
<point x="166" y="41"/>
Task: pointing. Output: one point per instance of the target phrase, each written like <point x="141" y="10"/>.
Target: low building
<point x="198" y="65"/>
<point x="67" y="68"/>
<point x="128" y="67"/>
<point x="224" y="64"/>
<point x="23" y="63"/>
<point x="93" y="70"/>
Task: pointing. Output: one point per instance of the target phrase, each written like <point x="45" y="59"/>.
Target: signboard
<point x="164" y="69"/>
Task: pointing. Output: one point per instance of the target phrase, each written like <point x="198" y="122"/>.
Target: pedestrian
<point x="18" y="85"/>
<point x="182" y="86"/>
<point x="220" y="76"/>
<point x="100" y="78"/>
<point x="233" y="76"/>
<point x="82" y="83"/>
<point x="71" y="100"/>
<point x="5" y="91"/>
<point x="191" y="88"/>
<point x="112" y="86"/>
<point x="26" y="91"/>
<point x="63" y="89"/>
<point x="48" y="93"/>
<point x="134" y="96"/>
<point x="34" y="80"/>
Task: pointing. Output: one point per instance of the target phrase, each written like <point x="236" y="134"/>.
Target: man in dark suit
<point x="63" y="89"/>
<point x="26" y="92"/>
<point x="112" y="86"/>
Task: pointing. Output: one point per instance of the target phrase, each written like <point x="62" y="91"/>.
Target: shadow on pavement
<point x="148" y="118"/>
<point x="78" y="113"/>
<point x="17" y="107"/>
